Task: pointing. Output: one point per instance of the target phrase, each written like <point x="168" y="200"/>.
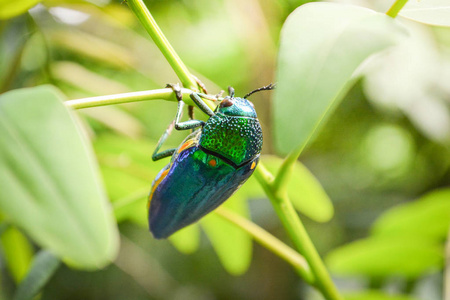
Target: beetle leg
<point x="197" y="98"/>
<point x="175" y="123"/>
<point x="191" y="114"/>
<point x="157" y="156"/>
<point x="200" y="84"/>
<point x="190" y="124"/>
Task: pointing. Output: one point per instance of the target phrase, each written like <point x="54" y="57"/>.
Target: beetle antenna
<point x="264" y="88"/>
<point x="231" y="91"/>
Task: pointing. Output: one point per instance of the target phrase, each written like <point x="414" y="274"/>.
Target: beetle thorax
<point x="237" y="139"/>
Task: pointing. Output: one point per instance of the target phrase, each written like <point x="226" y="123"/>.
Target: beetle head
<point x="238" y="107"/>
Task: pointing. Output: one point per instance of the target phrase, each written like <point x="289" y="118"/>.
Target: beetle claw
<point x="176" y="89"/>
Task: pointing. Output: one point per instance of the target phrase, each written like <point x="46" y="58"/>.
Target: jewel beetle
<point x="209" y="165"/>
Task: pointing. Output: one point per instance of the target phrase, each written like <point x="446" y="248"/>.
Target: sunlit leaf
<point x="10" y="9"/>
<point x="375" y="295"/>
<point x="49" y="183"/>
<point x="428" y="216"/>
<point x="186" y="240"/>
<point x="322" y="44"/>
<point x="44" y="266"/>
<point x="232" y="245"/>
<point x="433" y="12"/>
<point x="304" y="190"/>
<point x="388" y="77"/>
<point x="17" y="252"/>
<point x="379" y="257"/>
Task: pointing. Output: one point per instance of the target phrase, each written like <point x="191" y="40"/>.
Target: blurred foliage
<point x="314" y="70"/>
<point x="17" y="252"/>
<point x="41" y="182"/>
<point x="382" y="157"/>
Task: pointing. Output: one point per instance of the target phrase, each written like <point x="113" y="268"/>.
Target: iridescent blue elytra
<point x="207" y="168"/>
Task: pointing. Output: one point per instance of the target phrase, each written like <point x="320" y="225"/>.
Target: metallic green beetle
<point x="210" y="164"/>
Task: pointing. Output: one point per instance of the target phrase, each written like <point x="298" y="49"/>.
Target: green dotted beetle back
<point x="236" y="138"/>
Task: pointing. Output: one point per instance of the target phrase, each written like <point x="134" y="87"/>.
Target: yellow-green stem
<point x="146" y="19"/>
<point x="395" y="8"/>
<point x="270" y="242"/>
<point x="297" y="232"/>
<point x="282" y="178"/>
<point x="160" y="94"/>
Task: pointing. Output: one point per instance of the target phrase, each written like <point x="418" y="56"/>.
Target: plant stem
<point x="395" y="8"/>
<point x="144" y="16"/>
<point x="161" y="94"/>
<point x="282" y="178"/>
<point x="270" y="242"/>
<point x="291" y="222"/>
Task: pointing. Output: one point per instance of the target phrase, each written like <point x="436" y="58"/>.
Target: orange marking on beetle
<point x="212" y="162"/>
<point x="253" y="165"/>
<point x="163" y="175"/>
<point x="186" y="145"/>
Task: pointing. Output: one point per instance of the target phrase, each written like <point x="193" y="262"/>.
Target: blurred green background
<point x="387" y="143"/>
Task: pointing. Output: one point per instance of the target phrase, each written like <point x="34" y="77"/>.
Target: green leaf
<point x="428" y="216"/>
<point x="322" y="44"/>
<point x="387" y="256"/>
<point x="10" y="9"/>
<point x="17" y="252"/>
<point x="232" y="244"/>
<point x="186" y="240"/>
<point x="375" y="295"/>
<point x="432" y="12"/>
<point x="44" y="266"/>
<point x="305" y="191"/>
<point x="49" y="183"/>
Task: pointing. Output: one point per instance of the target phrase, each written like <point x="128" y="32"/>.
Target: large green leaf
<point x="49" y="183"/>
<point x="305" y="191"/>
<point x="429" y="216"/>
<point x="9" y="9"/>
<point x="386" y="256"/>
<point x="433" y="12"/>
<point x="322" y="44"/>
<point x="232" y="244"/>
